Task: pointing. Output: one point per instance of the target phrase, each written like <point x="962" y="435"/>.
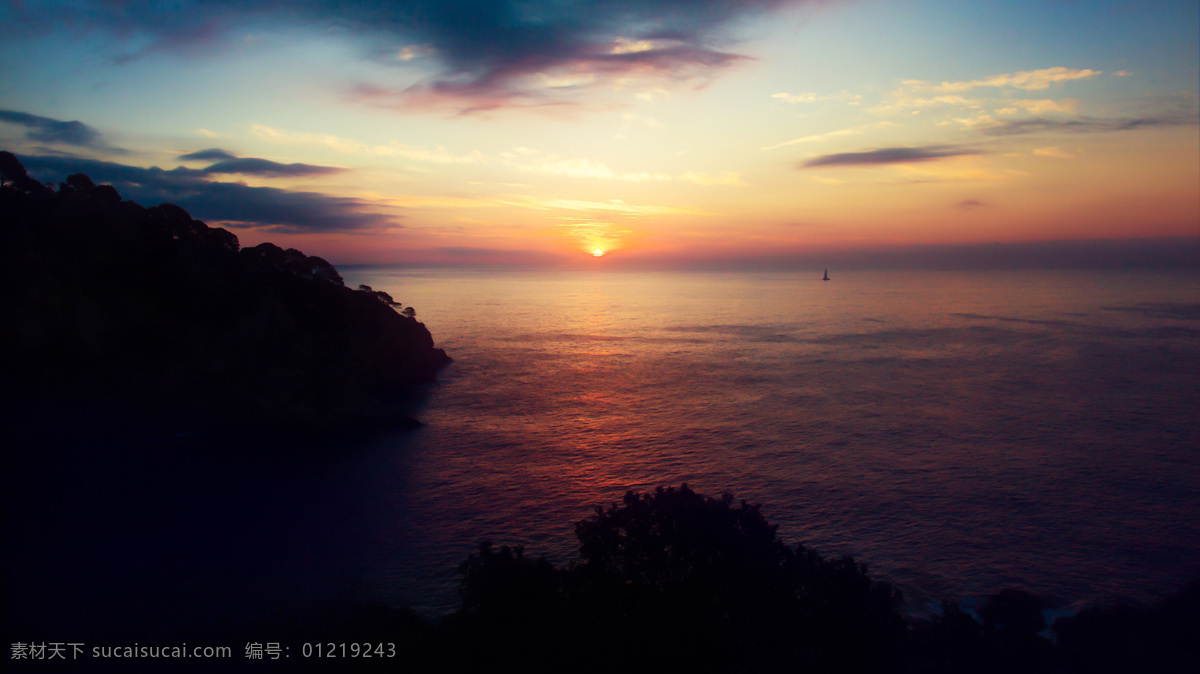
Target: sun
<point x="597" y="252"/>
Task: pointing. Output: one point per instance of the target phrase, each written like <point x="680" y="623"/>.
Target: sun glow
<point x="597" y="252"/>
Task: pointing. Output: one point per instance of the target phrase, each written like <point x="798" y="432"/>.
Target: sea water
<point x="958" y="432"/>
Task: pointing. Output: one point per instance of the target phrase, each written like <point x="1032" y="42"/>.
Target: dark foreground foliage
<point x="673" y="581"/>
<point x="148" y="311"/>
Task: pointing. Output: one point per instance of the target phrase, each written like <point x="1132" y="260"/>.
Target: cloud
<point x="484" y="54"/>
<point x="438" y="155"/>
<point x="1087" y="124"/>
<point x="229" y="163"/>
<point x="970" y="204"/>
<point x="611" y="206"/>
<point x="459" y="251"/>
<point x="890" y="155"/>
<point x="575" y="168"/>
<point x="1029" y="80"/>
<point x="1053" y="152"/>
<point x="232" y="204"/>
<point x="529" y="202"/>
<point x="461" y="99"/>
<point x="842" y="97"/>
<point x="550" y="83"/>
<point x="815" y="138"/>
<point x="548" y="65"/>
<point x="264" y="167"/>
<point x="980" y="120"/>
<point x="211" y="154"/>
<point x="1038" y="107"/>
<point x="47" y="130"/>
<point x="529" y="160"/>
<point x="852" y="131"/>
<point x="795" y="98"/>
<point x="919" y="94"/>
<point x="414" y="51"/>
<point x="903" y="101"/>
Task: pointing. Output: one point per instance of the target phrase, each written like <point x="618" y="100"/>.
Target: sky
<point x="660" y="133"/>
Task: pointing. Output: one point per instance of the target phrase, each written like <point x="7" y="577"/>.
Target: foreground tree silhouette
<point x="673" y="580"/>
<point x="1161" y="637"/>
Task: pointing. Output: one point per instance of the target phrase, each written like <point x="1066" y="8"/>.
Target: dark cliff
<point x="149" y="312"/>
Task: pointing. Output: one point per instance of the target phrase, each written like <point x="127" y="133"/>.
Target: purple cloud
<point x="1022" y="127"/>
<point x="265" y="167"/>
<point x="47" y="130"/>
<point x="211" y="154"/>
<point x="234" y="204"/>
<point x="229" y="163"/>
<point x="890" y="155"/>
<point x="485" y="53"/>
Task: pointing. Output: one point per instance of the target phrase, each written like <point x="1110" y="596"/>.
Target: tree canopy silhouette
<point x="13" y="175"/>
<point x="675" y="580"/>
<point x="150" y="311"/>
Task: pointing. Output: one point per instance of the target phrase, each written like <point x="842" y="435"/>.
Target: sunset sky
<point x="663" y="132"/>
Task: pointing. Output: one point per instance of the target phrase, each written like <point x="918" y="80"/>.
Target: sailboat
<point x="826" y="275"/>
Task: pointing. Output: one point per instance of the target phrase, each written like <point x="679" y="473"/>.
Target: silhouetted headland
<point x="112" y="307"/>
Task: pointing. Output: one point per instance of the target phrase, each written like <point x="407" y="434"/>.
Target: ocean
<point x="958" y="432"/>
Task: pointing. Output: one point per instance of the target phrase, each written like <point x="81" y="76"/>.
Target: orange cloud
<point x="1030" y="80"/>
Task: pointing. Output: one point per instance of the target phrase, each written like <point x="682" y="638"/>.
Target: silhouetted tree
<point x="675" y="580"/>
<point x="109" y="194"/>
<point x="1008" y="640"/>
<point x="220" y="238"/>
<point x="325" y="271"/>
<point x="385" y="298"/>
<point x="505" y="580"/>
<point x="13" y="174"/>
<point x="10" y="169"/>
<point x="79" y="183"/>
<point x="948" y="643"/>
<point x="1015" y="613"/>
<point x="1160" y="638"/>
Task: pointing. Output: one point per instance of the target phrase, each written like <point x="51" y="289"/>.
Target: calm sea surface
<point x="958" y="432"/>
